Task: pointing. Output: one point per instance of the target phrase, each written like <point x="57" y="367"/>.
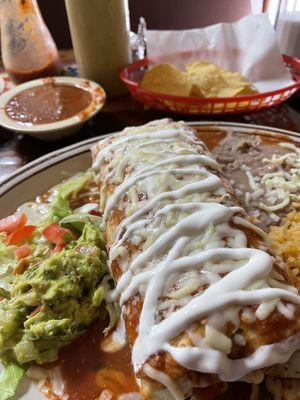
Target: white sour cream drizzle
<point x="170" y="222"/>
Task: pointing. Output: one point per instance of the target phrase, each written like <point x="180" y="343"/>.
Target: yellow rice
<point x="286" y="243"/>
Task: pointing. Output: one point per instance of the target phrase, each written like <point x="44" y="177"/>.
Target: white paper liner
<point x="248" y="46"/>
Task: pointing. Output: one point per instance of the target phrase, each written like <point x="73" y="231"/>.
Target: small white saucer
<point x="59" y="129"/>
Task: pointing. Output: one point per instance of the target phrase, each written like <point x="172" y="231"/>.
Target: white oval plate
<point x="40" y="175"/>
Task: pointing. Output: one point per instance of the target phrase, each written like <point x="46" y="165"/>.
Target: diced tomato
<point x="58" y="235"/>
<point x="20" y="235"/>
<point x="12" y="222"/>
<point x="22" y="251"/>
<point x="58" y="248"/>
<point x="20" y="268"/>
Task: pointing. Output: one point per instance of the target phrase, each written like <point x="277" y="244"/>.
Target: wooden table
<point x="16" y="149"/>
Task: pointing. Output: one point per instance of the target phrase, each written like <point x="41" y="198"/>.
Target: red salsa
<point x="51" y="69"/>
<point x="49" y="102"/>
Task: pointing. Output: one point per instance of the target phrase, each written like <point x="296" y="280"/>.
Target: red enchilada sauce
<point x="50" y="102"/>
<point x="87" y="370"/>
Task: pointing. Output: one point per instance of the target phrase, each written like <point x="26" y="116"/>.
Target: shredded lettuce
<point x="36" y="213"/>
<point x="4" y="293"/>
<point x="10" y="378"/>
<point x="114" y="313"/>
<point x="87" y="208"/>
<point x="74" y="185"/>
<point x="98" y="296"/>
<point x="79" y="220"/>
<point x="59" y="208"/>
<point x="7" y="259"/>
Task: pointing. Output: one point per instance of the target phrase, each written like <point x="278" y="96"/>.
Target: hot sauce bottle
<point x="28" y="49"/>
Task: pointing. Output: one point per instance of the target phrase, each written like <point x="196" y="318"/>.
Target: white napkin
<point x="248" y="46"/>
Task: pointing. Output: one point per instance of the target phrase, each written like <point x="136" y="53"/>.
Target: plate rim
<point x="38" y="164"/>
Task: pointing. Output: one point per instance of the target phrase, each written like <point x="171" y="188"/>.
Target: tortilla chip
<point x="197" y="65"/>
<point x="165" y="78"/>
<point x="201" y="79"/>
<point x="196" y="91"/>
<point x="234" y="78"/>
<point x="206" y="80"/>
<point x="236" y="91"/>
<point x="209" y="80"/>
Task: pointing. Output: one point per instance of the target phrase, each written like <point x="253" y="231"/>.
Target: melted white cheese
<point x="165" y="380"/>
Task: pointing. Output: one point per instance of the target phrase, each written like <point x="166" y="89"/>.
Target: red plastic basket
<point x="133" y="73"/>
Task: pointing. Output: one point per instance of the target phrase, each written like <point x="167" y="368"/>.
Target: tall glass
<point x="100" y="36"/>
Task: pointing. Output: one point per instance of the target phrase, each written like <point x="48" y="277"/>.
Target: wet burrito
<point x="204" y="301"/>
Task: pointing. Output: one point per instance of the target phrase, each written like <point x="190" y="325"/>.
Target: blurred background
<point x="158" y="14"/>
<point x="284" y="15"/>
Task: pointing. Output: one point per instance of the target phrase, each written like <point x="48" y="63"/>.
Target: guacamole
<point x="53" y="301"/>
<point x="53" y="275"/>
